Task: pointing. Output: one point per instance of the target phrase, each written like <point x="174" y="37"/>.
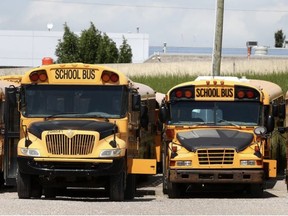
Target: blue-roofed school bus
<point x="221" y="132"/>
<point x="84" y="125"/>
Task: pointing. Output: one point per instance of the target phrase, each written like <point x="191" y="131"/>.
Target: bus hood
<point x="104" y="128"/>
<point x="214" y="138"/>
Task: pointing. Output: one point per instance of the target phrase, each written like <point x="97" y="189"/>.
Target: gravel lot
<point x="149" y="201"/>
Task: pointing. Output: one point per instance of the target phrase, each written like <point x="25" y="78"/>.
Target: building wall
<point x="27" y="48"/>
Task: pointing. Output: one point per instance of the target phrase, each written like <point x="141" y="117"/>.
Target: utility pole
<point x="217" y="49"/>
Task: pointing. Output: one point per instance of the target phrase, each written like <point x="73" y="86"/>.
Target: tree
<point x="125" y="53"/>
<point x="67" y="49"/>
<point x="108" y="52"/>
<point x="91" y="47"/>
<point x="279" y="38"/>
<point x="89" y="43"/>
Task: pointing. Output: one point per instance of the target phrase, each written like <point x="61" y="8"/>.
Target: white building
<point x="27" y="48"/>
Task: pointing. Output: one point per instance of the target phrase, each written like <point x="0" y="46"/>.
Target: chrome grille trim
<point x="215" y="156"/>
<point x="60" y="144"/>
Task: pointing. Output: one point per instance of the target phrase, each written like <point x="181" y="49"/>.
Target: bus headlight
<point x="184" y="163"/>
<point x="247" y="162"/>
<point x="110" y="153"/>
<point x="30" y="152"/>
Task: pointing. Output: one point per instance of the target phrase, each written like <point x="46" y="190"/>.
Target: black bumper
<point x="217" y="176"/>
<point x="29" y="166"/>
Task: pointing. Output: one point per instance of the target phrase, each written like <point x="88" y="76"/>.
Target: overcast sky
<point x="177" y="22"/>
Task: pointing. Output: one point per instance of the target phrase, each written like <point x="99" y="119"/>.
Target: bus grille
<point x="215" y="156"/>
<point x="79" y="144"/>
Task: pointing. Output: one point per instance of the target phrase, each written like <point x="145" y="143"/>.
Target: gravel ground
<point x="149" y="201"/>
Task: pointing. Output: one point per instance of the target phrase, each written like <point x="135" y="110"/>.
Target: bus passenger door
<point x="11" y="136"/>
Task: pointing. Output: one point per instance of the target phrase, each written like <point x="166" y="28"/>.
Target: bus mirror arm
<point x="113" y="142"/>
<point x="28" y="142"/>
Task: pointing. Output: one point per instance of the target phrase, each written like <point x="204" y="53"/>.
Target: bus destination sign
<point x="214" y="93"/>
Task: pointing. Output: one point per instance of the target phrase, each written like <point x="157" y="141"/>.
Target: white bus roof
<point x="228" y="78"/>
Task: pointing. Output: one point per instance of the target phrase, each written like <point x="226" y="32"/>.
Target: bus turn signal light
<point x="34" y="76"/>
<point x="38" y="76"/>
<point x="109" y="76"/>
<point x="240" y="94"/>
<point x="188" y="94"/>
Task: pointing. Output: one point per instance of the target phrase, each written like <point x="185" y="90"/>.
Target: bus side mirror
<point x="282" y="111"/>
<point x="144" y="120"/>
<point x="275" y="110"/>
<point x="270" y="124"/>
<point x="136" y="102"/>
<point x="163" y="114"/>
<point x="11" y="95"/>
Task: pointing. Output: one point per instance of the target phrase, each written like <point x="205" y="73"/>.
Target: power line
<point x="162" y="6"/>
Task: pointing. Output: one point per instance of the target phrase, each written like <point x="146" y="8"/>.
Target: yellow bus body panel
<point x="272" y="167"/>
<point x="141" y="166"/>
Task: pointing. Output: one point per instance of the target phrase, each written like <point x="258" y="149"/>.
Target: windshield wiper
<point x="228" y="122"/>
<point x="61" y="114"/>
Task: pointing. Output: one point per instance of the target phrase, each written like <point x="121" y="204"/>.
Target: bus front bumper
<point x="216" y="176"/>
<point x="67" y="168"/>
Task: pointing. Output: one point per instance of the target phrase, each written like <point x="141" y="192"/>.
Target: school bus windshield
<point x="216" y="113"/>
<point x="74" y="101"/>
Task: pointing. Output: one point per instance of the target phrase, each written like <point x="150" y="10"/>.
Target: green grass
<point x="163" y="83"/>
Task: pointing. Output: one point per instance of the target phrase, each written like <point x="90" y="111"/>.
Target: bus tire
<point x="36" y="187"/>
<point x="117" y="188"/>
<point x="164" y="183"/>
<point x="165" y="171"/>
<point x="50" y="193"/>
<point x="24" y="188"/>
<point x="174" y="190"/>
<point x="130" y="190"/>
<point x="256" y="190"/>
<point x="1" y="179"/>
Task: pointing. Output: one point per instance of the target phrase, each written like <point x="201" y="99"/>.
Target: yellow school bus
<point x="220" y="132"/>
<point x="9" y="125"/>
<point x="84" y="125"/>
<point x="286" y="129"/>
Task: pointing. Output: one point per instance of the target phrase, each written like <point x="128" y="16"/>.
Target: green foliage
<point x="279" y="38"/>
<point x="67" y="50"/>
<point x="107" y="51"/>
<point x="91" y="47"/>
<point x="89" y="43"/>
<point x="125" y="52"/>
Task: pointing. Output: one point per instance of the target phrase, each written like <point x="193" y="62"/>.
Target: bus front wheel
<point x="23" y="185"/>
<point x="174" y="190"/>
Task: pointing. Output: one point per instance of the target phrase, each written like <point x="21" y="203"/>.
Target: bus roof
<point x="271" y="89"/>
<point x="75" y="73"/>
<point x="144" y="90"/>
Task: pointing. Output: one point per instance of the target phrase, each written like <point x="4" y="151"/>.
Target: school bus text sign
<point x="73" y="75"/>
<point x="214" y="93"/>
